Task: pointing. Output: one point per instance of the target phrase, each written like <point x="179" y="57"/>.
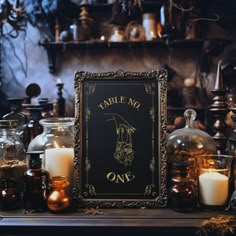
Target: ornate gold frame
<point x="155" y="85"/>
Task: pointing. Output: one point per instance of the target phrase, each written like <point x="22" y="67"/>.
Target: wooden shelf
<point x="53" y="47"/>
<point x="110" y="222"/>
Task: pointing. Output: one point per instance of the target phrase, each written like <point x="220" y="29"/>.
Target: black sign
<point x="120" y="139"/>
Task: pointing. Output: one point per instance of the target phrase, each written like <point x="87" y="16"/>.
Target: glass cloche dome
<point x="183" y="145"/>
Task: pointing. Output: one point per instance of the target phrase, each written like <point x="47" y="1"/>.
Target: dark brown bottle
<point x="182" y="195"/>
<point x="33" y="128"/>
<point x="36" y="184"/>
<point x="10" y="197"/>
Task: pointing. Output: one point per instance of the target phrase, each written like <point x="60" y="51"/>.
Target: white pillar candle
<point x="59" y="161"/>
<point x="213" y="188"/>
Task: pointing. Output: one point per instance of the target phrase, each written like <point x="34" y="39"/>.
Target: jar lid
<point x="8" y="124"/>
<point x="59" y="181"/>
<point x="66" y="121"/>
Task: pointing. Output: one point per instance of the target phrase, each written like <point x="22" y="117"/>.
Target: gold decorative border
<point x="160" y="78"/>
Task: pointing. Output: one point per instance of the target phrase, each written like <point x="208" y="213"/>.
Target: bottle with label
<point x="36" y="184"/>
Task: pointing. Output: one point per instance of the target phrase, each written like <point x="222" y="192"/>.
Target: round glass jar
<point x="57" y="142"/>
<point x="183" y="145"/>
<point x="12" y="165"/>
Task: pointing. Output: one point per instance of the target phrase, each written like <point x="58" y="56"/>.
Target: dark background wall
<point x="24" y="61"/>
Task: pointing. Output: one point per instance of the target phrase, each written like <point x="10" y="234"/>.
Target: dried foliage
<point x="129" y="6"/>
<point x="219" y="226"/>
<point x="94" y="211"/>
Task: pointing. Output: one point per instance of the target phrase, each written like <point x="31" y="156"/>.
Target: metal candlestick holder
<point x="219" y="109"/>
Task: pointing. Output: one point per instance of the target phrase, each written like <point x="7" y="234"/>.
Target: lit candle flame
<point x="102" y="38"/>
<point x="56" y="144"/>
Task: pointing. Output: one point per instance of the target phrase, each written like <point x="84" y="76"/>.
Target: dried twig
<point x="93" y="211"/>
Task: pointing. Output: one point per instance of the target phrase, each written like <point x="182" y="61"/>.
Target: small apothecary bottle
<point x="182" y="195"/>
<point x="33" y="127"/>
<point x="59" y="199"/>
<point x="36" y="184"/>
<point x="12" y="166"/>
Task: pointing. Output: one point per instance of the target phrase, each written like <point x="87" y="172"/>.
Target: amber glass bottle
<point x="182" y="195"/>
<point x="36" y="184"/>
<point x="59" y="199"/>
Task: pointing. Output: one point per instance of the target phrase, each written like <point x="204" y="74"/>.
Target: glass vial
<point x="59" y="199"/>
<point x="36" y="184"/>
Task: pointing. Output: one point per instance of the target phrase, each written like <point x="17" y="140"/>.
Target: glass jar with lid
<point x="12" y="165"/>
<point x="16" y="114"/>
<point x="183" y="145"/>
<point x="57" y="142"/>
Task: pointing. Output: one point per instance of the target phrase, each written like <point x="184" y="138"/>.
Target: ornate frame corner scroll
<point x="120" y="139"/>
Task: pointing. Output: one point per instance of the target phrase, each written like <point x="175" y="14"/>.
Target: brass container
<point x="59" y="199"/>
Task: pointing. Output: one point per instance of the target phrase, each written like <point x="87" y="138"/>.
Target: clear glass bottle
<point x="59" y="198"/>
<point x="12" y="165"/>
<point x="183" y="145"/>
<point x="16" y="114"/>
<point x="182" y="196"/>
<point x="36" y="184"/>
<point x="57" y="142"/>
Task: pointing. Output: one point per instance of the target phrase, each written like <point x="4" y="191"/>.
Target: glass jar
<point x="12" y="165"/>
<point x="183" y="145"/>
<point x="117" y="34"/>
<point x="182" y="190"/>
<point x="57" y="142"/>
<point x="16" y="114"/>
<point x="59" y="198"/>
<point x="149" y="25"/>
<point x="213" y="180"/>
